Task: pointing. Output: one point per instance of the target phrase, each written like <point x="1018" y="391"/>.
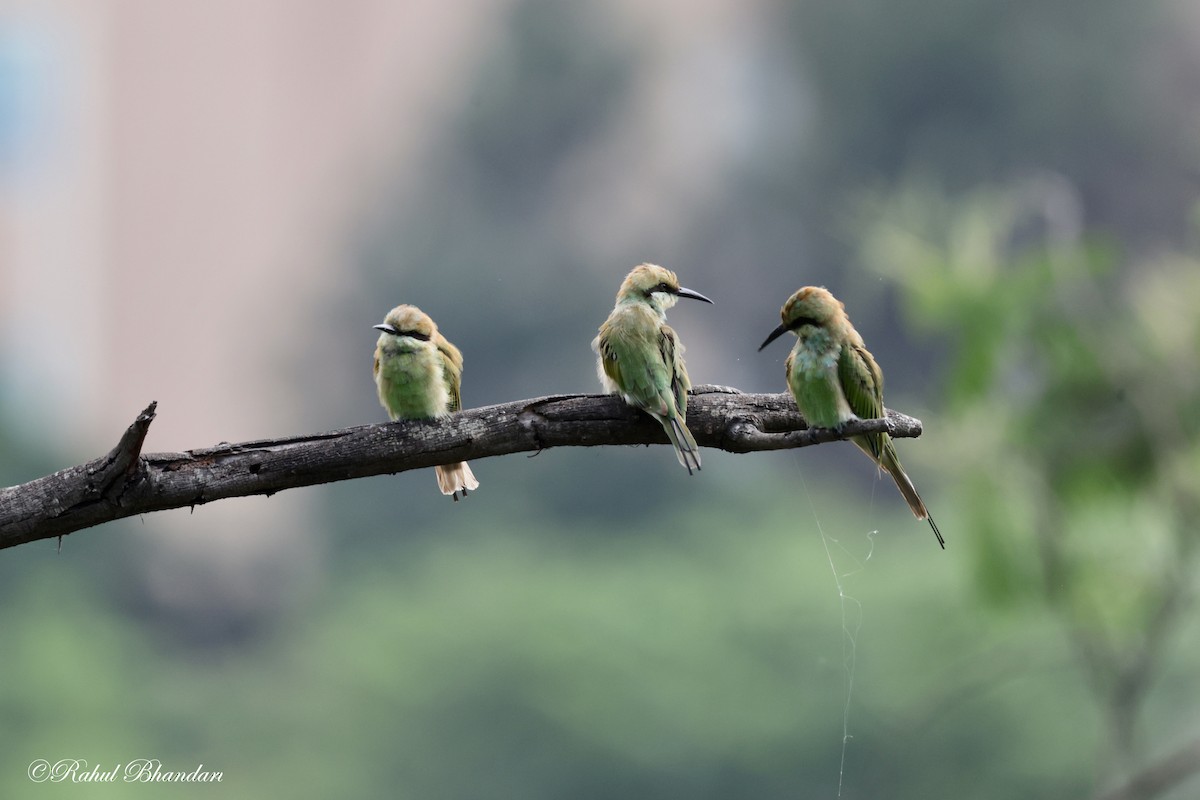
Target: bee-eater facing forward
<point x="419" y="376"/>
<point x="835" y="380"/>
<point x="641" y="359"/>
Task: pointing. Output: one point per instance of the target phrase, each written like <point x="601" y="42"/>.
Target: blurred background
<point x="210" y="204"/>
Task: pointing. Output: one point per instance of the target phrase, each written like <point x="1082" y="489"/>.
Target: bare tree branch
<point x="125" y="482"/>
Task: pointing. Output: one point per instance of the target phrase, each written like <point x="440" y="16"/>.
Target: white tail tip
<point x="455" y="478"/>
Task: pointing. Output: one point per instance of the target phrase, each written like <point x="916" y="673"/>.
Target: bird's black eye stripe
<point x="800" y="322"/>
<point x="424" y="337"/>
<point x="662" y="287"/>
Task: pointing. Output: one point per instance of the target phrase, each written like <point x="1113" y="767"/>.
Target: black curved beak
<point x="383" y="326"/>
<point x="775" y="334"/>
<point x="693" y="295"/>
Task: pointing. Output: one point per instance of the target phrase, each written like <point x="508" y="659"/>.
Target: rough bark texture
<point x="126" y="482"/>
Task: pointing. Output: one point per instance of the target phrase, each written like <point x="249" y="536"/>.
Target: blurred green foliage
<point x="510" y="662"/>
<point x="1071" y="415"/>
<point x="596" y="624"/>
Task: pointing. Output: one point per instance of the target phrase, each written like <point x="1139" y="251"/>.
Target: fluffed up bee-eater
<point x="641" y="358"/>
<point x="418" y="375"/>
<point x="835" y="380"/>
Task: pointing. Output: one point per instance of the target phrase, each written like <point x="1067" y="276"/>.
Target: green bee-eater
<point x="835" y="380"/>
<point x="641" y="359"/>
<point x="419" y="376"/>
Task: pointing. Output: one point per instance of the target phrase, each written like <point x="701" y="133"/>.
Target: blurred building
<point x="179" y="184"/>
<point x="175" y="184"/>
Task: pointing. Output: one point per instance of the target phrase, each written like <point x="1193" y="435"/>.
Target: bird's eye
<point x="424" y="337"/>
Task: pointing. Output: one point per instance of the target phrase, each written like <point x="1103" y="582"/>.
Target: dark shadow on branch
<point x="126" y="482"/>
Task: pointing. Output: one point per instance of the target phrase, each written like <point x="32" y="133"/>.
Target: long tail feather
<point x="686" y="449"/>
<point x="891" y="464"/>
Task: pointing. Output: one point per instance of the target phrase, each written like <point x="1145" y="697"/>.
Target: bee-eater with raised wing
<point x="641" y="358"/>
<point x="835" y="380"/>
<point x="418" y="374"/>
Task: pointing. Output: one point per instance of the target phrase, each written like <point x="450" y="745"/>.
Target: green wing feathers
<point x="862" y="384"/>
<point x="672" y="355"/>
<point x="453" y="478"/>
<point x="645" y="365"/>
<point x="686" y="449"/>
<point x="635" y="361"/>
<point x="610" y="362"/>
<point x="452" y="366"/>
